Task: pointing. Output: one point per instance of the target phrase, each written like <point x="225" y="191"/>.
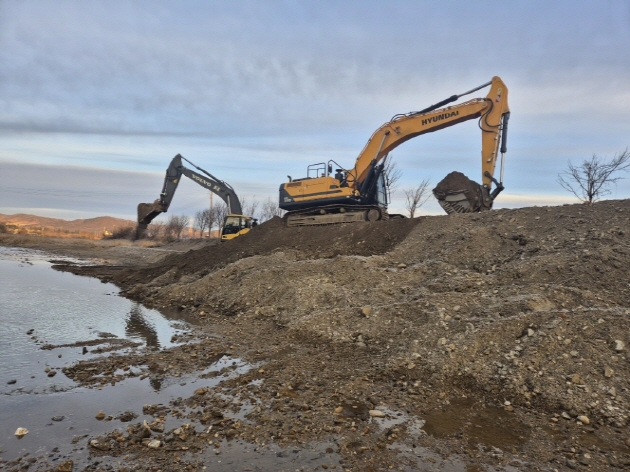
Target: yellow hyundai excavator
<point x="360" y="193"/>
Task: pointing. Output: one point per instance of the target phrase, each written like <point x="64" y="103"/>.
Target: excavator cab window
<point x="233" y="224"/>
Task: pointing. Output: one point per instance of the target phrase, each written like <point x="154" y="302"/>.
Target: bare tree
<point x="220" y="212"/>
<point x="202" y="221"/>
<point x="175" y="225"/>
<point x="269" y="209"/>
<point x="250" y="207"/>
<point x="392" y="175"/>
<point x="590" y="181"/>
<point x="156" y="230"/>
<point x="416" y="197"/>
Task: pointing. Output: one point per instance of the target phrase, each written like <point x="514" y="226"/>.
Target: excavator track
<point x="334" y="214"/>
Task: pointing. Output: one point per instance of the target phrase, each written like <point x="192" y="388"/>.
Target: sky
<point x="97" y="97"/>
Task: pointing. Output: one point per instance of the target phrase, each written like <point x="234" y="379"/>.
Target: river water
<point x="42" y="307"/>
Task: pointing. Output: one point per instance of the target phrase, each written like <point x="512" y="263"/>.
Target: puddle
<point x="478" y="424"/>
<point x="455" y="421"/>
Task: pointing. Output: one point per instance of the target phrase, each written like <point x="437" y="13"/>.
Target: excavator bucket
<point x="456" y="193"/>
<point x="147" y="212"/>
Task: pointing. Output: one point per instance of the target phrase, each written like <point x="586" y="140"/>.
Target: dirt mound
<point x="314" y="242"/>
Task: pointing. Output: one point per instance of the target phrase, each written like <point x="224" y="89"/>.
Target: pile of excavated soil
<point x="519" y="315"/>
<point x="317" y="242"/>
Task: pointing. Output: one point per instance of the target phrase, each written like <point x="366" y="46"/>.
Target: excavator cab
<point x="237" y="225"/>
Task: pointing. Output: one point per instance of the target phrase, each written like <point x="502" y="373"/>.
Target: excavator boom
<point x="405" y="127"/>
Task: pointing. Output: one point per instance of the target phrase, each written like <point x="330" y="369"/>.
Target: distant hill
<point x="41" y="225"/>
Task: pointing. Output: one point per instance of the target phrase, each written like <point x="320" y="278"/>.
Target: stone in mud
<point x="100" y="415"/>
<point x="65" y="466"/>
<point x="584" y="419"/>
<point x="154" y="444"/>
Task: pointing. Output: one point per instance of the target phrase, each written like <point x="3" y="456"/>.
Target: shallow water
<point x="40" y="306"/>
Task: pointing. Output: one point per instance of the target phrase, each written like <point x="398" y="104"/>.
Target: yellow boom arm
<point x="490" y="109"/>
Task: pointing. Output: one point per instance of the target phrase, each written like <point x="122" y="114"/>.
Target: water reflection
<point x="137" y="326"/>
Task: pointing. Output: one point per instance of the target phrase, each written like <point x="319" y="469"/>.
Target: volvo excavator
<point x="360" y="193"/>
<point x="234" y="224"/>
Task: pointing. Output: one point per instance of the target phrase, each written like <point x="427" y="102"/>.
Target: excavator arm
<point x="148" y="211"/>
<point x="492" y="110"/>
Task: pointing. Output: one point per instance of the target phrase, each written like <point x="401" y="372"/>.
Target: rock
<point x="377" y="414"/>
<point x="154" y="444"/>
<point x="366" y="311"/>
<point x="157" y="426"/>
<point x="11" y="382"/>
<point x="608" y="372"/>
<point x="21" y="432"/>
<point x="584" y="419"/>
<point x="530" y="332"/>
<point x="100" y="415"/>
<point x="565" y="415"/>
<point x="571" y="464"/>
<point x="65" y="466"/>
<point x="99" y="445"/>
<point x="57" y="418"/>
<point x="402" y="265"/>
<point x="576" y="379"/>
<point x="619" y="345"/>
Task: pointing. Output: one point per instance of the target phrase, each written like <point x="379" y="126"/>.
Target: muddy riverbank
<point x="495" y="341"/>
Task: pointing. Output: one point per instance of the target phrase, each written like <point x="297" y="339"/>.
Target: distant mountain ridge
<point x="89" y="225"/>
